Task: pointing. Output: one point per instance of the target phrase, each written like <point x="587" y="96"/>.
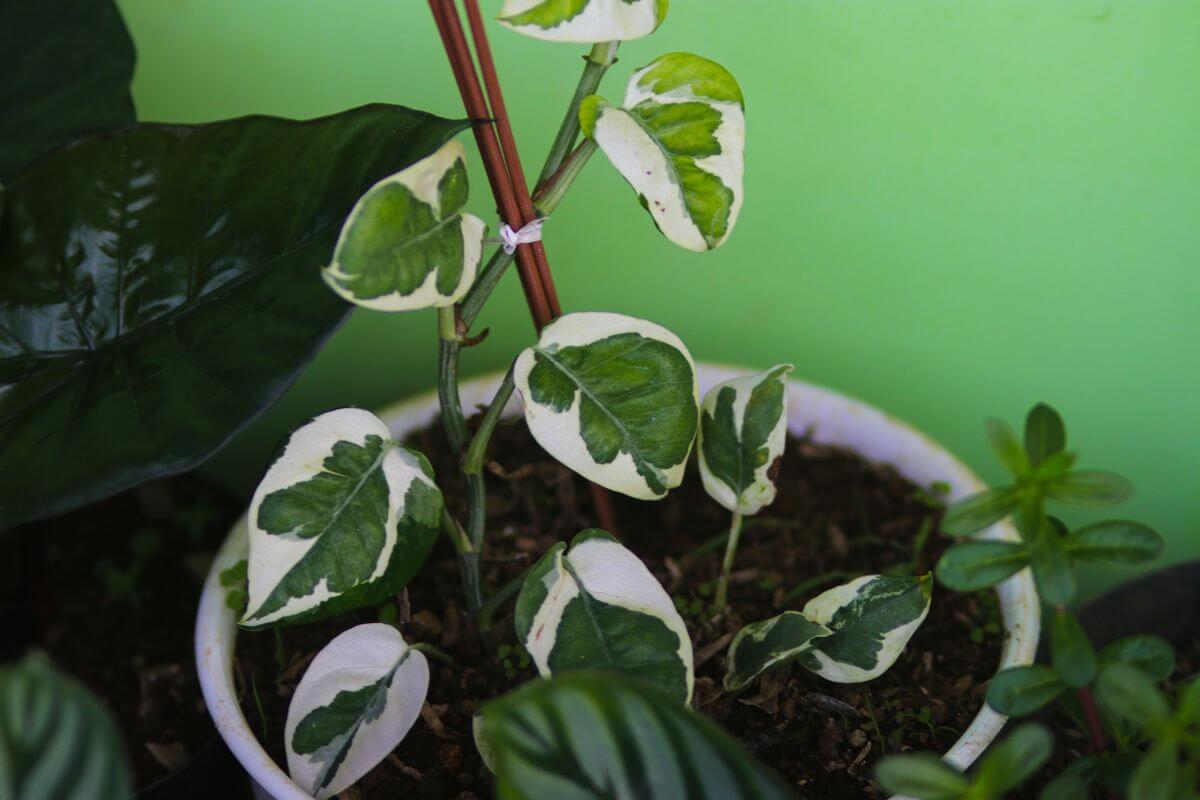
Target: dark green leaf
<point x="1129" y="695"/>
<point x="601" y="735"/>
<point x="1160" y="776"/>
<point x="1007" y="448"/>
<point x="1075" y="782"/>
<point x="1153" y="655"/>
<point x="1188" y="709"/>
<point x="1091" y="487"/>
<point x="67" y="65"/>
<point x="971" y="566"/>
<point x="159" y="288"/>
<point x="1051" y="566"/>
<point x="57" y="742"/>
<point x="921" y="775"/>
<point x="1044" y="433"/>
<point x="1018" y="691"/>
<point x="1070" y="650"/>
<point x="771" y="643"/>
<point x="976" y="512"/>
<point x="1114" y="541"/>
<point x="1008" y="762"/>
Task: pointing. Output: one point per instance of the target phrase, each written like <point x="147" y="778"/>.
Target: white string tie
<point x="527" y="234"/>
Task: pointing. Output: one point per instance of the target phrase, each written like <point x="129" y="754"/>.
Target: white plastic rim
<point x="833" y="419"/>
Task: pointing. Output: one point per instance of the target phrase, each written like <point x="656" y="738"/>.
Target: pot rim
<point x="834" y="418"/>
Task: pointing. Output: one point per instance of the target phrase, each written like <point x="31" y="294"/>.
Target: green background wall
<point x="954" y="209"/>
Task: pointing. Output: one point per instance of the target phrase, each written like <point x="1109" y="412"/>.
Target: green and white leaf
<point x="679" y="140"/>
<point x="771" y="643"/>
<point x="584" y="21"/>
<point x="343" y="518"/>
<point x="614" y="398"/>
<point x="743" y="428"/>
<point x="405" y="245"/>
<point x="356" y="702"/>
<point x="597" y="735"/>
<point x="871" y="619"/>
<point x="598" y="606"/>
<point x="57" y="741"/>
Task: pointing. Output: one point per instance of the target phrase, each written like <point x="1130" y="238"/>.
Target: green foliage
<point x="57" y="742"/>
<point x="592" y="734"/>
<point x="1003" y="767"/>
<point x="1018" y="691"/>
<point x="1071" y="652"/>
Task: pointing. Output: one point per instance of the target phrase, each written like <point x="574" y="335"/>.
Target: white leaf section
<point x="378" y="684"/>
<point x="584" y="21"/>
<point x="637" y="429"/>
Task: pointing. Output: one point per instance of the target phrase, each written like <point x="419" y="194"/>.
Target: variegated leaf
<point x="743" y="427"/>
<point x="343" y="518"/>
<point x="356" y="702"/>
<point x="405" y="244"/>
<point x="761" y="646"/>
<point x="614" y="398"/>
<point x="583" y="20"/>
<point x="872" y="618"/>
<point x="678" y="140"/>
<point x="598" y="606"/>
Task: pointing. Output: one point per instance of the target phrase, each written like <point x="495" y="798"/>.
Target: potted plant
<point x="331" y="573"/>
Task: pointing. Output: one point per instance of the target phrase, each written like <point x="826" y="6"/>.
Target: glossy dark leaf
<point x="66" y="67"/>
<point x="57" y="742"/>
<point x="159" y="288"/>
<point x="971" y="566"/>
<point x="1129" y="694"/>
<point x="921" y="775"/>
<point x="1017" y="691"/>
<point x="1051" y="565"/>
<point x="976" y="512"/>
<point x="1071" y="651"/>
<point x="589" y="734"/>
<point x="1008" y="762"/>
<point x="1114" y="541"/>
<point x="1153" y="655"/>
<point x="1044" y="433"/>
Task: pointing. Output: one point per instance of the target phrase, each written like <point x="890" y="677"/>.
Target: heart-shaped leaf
<point x="594" y="735"/>
<point x="678" y="139"/>
<point x="405" y="245"/>
<point x="67" y="66"/>
<point x="159" y="288"/>
<point x="57" y="742"/>
<point x="357" y="700"/>
<point x="598" y="606"/>
<point x="871" y="619"/>
<point x="343" y="518"/>
<point x="614" y="398"/>
<point x="761" y="646"/>
<point x="583" y="20"/>
<point x="743" y="427"/>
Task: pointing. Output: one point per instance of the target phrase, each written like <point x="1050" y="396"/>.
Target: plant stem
<point x="468" y="562"/>
<point x="596" y="63"/>
<point x="547" y="196"/>
<point x="452" y="414"/>
<point x="735" y="533"/>
<point x="473" y="461"/>
<point x="488" y="612"/>
<point x="1092" y="717"/>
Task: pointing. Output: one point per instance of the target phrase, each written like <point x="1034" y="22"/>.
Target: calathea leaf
<point x="596" y="735"/>
<point x="405" y="245"/>
<point x="871" y="619"/>
<point x="598" y="606"/>
<point x="583" y="20"/>
<point x="761" y="646"/>
<point x="159" y="289"/>
<point x="67" y="66"/>
<point x="678" y="139"/>
<point x="57" y="742"/>
<point x="343" y="518"/>
<point x="356" y="702"/>
<point x="743" y="427"/>
<point x="614" y="398"/>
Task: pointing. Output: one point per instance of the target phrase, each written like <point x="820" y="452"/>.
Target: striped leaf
<point x="872" y="618"/>
<point x="596" y="735"/>
<point x="405" y="246"/>
<point x="343" y="518"/>
<point x="614" y="398"/>
<point x="598" y="606"/>
<point x="743" y="427"/>
<point x="583" y="20"/>
<point x="57" y="742"/>
<point x="356" y="702"/>
<point x="774" y="642"/>
<point x="678" y="139"/>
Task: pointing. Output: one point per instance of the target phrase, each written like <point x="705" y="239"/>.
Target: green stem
<point x="735" y="533"/>
<point x="472" y="463"/>
<point x="468" y="562"/>
<point x="448" y="346"/>
<point x="498" y="599"/>
<point x="546" y="198"/>
<point x="596" y="63"/>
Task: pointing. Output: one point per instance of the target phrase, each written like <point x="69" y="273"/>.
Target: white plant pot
<point x="833" y="419"/>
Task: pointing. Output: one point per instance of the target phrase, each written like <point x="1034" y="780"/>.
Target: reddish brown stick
<point x="445" y="16"/>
